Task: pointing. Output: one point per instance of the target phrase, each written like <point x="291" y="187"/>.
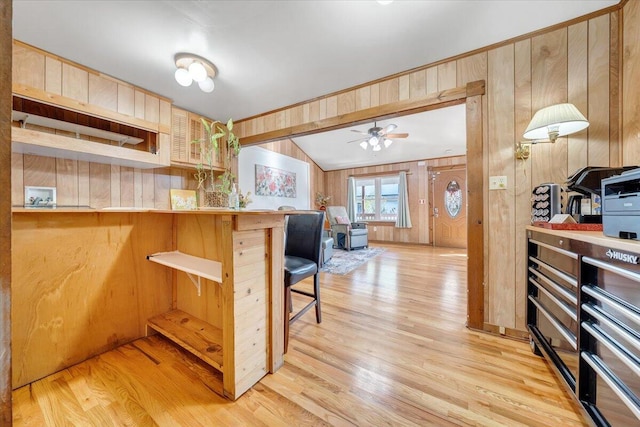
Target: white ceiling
<point x="270" y="54"/>
<point x="432" y="134"/>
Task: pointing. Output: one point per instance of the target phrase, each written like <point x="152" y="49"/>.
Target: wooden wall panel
<point x="471" y="69"/>
<point x="548" y="87"/>
<point x="28" y="67"/>
<point x="53" y="76"/>
<point x="447" y="75"/>
<point x="103" y="92"/>
<point x="501" y="262"/>
<point x="75" y="83"/>
<point x="418" y="84"/>
<point x="363" y="98"/>
<point x="598" y="113"/>
<point x="151" y="108"/>
<point x="577" y="86"/>
<point x="522" y="178"/>
<point x="99" y="185"/>
<point x="138" y="105"/>
<point x="61" y="322"/>
<point x="67" y="182"/>
<point x="126" y="100"/>
<point x="631" y="84"/>
<point x="127" y="183"/>
<point x="114" y="175"/>
<point x="347" y="102"/>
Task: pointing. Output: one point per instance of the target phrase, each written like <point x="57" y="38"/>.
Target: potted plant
<point x="216" y="185"/>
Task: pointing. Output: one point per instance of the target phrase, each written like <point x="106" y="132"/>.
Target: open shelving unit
<point x="194" y="335"/>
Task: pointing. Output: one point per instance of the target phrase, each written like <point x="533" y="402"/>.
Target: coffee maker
<point x="583" y="190"/>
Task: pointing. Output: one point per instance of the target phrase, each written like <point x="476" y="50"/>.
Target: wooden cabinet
<point x="44" y="78"/>
<point x="186" y="129"/>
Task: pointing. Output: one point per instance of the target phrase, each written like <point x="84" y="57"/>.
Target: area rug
<point x="343" y="262"/>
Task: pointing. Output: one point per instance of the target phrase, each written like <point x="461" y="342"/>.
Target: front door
<point x="449" y="203"/>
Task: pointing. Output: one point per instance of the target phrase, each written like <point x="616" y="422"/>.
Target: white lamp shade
<point x="373" y="141"/>
<point x="183" y="77"/>
<point x="207" y="85"/>
<point x="377" y="147"/>
<point x="387" y="142"/>
<point x="554" y="121"/>
<point x="197" y="71"/>
<point x="364" y="145"/>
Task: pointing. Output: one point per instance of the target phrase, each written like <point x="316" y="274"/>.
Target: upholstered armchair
<point x="346" y="234"/>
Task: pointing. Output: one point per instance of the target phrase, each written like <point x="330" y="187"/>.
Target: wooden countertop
<point x="592" y="237"/>
<point x="84" y="209"/>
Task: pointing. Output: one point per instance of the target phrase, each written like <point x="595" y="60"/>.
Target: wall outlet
<point x="498" y="182"/>
<point x="375" y="228"/>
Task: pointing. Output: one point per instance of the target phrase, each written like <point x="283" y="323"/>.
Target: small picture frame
<point x="183" y="200"/>
<point x="39" y="197"/>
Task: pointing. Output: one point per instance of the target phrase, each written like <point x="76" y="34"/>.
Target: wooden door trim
<point x="471" y="96"/>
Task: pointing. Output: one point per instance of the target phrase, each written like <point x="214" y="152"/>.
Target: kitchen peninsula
<point x="84" y="283"/>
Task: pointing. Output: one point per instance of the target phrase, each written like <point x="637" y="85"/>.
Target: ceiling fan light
<point x="373" y="141"/>
<point x="207" y="85"/>
<point x="364" y="145"/>
<point x="197" y="71"/>
<point x="183" y="77"/>
<point x="387" y="142"/>
<point x="377" y="147"/>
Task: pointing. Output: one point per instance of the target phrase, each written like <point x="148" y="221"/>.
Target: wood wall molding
<point x="5" y="212"/>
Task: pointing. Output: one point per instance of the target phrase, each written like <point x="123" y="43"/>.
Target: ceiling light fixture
<point x="192" y="68"/>
<point x="550" y="123"/>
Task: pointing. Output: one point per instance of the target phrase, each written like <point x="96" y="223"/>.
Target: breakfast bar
<point x="86" y="281"/>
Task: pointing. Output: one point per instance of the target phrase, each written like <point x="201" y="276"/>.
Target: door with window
<point x="449" y="203"/>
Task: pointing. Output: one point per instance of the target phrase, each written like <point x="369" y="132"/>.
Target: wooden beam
<point x="432" y="101"/>
<point x="5" y="212"/>
<point x="475" y="218"/>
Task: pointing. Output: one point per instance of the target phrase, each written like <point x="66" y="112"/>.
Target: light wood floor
<point x="392" y="350"/>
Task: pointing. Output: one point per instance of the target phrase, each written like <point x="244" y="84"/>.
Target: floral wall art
<point x="275" y="182"/>
<point x="274" y="179"/>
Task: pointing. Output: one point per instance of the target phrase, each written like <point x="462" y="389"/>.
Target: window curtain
<point x="351" y="199"/>
<point x="403" y="219"/>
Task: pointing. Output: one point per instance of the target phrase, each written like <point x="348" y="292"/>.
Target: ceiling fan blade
<point x="388" y="129"/>
<point x="359" y="131"/>
<point x="357" y="140"/>
<point x="397" y="135"/>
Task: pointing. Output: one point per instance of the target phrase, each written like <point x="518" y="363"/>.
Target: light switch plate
<point x="498" y="182"/>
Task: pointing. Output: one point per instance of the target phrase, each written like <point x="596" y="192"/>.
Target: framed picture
<point x="183" y="200"/>
<point x="275" y="182"/>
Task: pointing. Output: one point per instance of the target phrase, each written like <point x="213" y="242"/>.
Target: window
<point x="377" y="198"/>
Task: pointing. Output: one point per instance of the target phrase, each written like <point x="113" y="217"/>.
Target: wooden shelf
<point x="28" y="141"/>
<point x="194" y="266"/>
<point x="194" y="335"/>
<point x="201" y="267"/>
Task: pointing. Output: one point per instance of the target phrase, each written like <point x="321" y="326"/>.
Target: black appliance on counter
<point x="587" y="182"/>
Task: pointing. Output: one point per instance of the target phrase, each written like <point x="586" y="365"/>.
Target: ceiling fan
<point x="377" y="136"/>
